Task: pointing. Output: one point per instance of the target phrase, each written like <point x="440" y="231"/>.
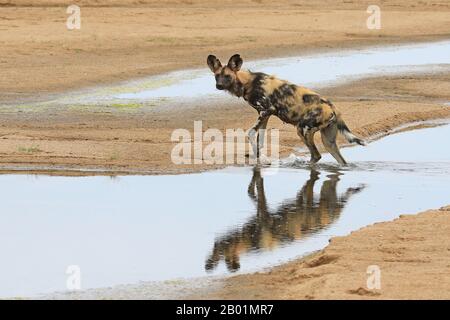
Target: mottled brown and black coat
<point x="298" y="218"/>
<point x="293" y="104"/>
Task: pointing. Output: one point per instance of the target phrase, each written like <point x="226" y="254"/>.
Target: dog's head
<point x="226" y="77"/>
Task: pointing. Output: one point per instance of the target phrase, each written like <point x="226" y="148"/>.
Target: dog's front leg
<point x="260" y="138"/>
<point x="253" y="133"/>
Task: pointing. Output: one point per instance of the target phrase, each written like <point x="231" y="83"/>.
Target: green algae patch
<point x="149" y="84"/>
<point x="126" y="105"/>
<point x="29" y="150"/>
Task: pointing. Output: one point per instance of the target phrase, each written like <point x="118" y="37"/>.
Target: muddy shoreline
<point x="21" y="98"/>
<point x="137" y="141"/>
<point x="41" y="58"/>
<point x="424" y="122"/>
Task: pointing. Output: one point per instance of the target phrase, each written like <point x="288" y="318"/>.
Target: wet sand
<point x="122" y="40"/>
<point x="121" y="140"/>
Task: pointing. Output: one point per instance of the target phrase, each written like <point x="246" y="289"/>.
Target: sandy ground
<point x="139" y="141"/>
<point x="121" y="40"/>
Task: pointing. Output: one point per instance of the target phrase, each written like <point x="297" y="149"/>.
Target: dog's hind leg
<point x="329" y="135"/>
<point x="307" y="135"/>
<point x="315" y="154"/>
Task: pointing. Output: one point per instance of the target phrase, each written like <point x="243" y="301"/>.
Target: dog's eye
<point x="228" y="78"/>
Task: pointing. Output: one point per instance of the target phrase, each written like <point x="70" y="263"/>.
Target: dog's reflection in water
<point x="294" y="219"/>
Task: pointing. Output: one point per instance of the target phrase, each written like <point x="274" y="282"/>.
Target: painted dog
<point x="293" y="104"/>
<point x="294" y="219"/>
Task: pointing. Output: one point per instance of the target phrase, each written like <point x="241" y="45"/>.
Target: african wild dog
<point x="293" y="104"/>
<point x="298" y="218"/>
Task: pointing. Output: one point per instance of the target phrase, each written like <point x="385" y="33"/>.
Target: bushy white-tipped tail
<point x="348" y="134"/>
<point x="352" y="138"/>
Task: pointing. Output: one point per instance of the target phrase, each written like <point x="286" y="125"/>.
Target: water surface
<point x="127" y="229"/>
<point x="316" y="70"/>
<point x="188" y="87"/>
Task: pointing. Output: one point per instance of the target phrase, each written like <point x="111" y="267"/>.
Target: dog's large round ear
<point x="213" y="63"/>
<point x="235" y="62"/>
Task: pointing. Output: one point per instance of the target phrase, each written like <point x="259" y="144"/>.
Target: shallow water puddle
<point x="313" y="70"/>
<point x="188" y="87"/>
<point x="127" y="229"/>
